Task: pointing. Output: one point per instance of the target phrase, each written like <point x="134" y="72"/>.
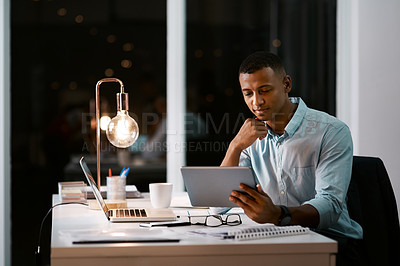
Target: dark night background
<point x="60" y="49"/>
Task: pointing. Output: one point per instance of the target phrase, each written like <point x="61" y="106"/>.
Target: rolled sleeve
<point x="333" y="175"/>
<point x="244" y="159"/>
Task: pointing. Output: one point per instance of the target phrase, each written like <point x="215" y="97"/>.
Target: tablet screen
<point x="212" y="186"/>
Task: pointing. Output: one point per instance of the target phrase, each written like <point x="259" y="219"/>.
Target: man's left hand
<point x="257" y="205"/>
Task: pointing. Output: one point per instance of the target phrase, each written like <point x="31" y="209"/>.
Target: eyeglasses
<point x="216" y="220"/>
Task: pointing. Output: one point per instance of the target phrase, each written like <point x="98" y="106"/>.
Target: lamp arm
<point x="98" y="122"/>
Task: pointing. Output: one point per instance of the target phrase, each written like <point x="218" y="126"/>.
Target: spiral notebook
<point x="254" y="232"/>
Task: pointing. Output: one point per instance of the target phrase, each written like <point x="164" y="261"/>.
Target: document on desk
<point x="202" y="212"/>
<point x="251" y="232"/>
<point x="113" y="236"/>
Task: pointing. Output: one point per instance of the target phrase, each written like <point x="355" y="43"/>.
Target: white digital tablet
<point x="212" y="186"/>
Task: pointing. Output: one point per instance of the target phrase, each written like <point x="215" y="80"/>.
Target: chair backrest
<point x="371" y="202"/>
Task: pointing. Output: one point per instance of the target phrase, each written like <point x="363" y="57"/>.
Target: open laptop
<point x="125" y="215"/>
<point x="211" y="186"/>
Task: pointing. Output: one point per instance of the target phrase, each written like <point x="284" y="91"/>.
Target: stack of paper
<point x="72" y="191"/>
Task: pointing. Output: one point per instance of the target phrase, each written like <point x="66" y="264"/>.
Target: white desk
<point x="308" y="250"/>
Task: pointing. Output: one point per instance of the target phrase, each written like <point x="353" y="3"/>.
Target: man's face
<point x="265" y="93"/>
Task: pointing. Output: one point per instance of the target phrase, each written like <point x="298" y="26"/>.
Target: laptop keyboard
<point x="128" y="213"/>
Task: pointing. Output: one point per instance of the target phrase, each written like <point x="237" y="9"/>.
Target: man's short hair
<point x="259" y="60"/>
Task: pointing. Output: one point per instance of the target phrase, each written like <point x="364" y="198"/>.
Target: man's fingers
<point x="248" y="210"/>
<point x="261" y="131"/>
<point x="259" y="189"/>
<point x="259" y="126"/>
<point x="245" y="198"/>
<point x="249" y="132"/>
<point x="238" y="202"/>
<point x="255" y="194"/>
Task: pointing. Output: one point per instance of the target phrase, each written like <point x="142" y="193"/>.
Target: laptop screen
<point x="92" y="184"/>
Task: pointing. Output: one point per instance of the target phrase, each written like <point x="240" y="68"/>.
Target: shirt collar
<point x="298" y="116"/>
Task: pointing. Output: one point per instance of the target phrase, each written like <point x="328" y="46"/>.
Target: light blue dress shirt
<point x="309" y="164"/>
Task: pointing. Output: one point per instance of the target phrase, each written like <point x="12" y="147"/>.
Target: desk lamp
<point x="122" y="131"/>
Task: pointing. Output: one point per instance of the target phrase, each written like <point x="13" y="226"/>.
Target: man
<point x="301" y="158"/>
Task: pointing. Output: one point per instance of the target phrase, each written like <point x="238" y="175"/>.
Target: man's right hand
<point x="251" y="130"/>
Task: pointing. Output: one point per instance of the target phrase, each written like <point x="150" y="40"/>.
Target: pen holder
<point x="116" y="187"/>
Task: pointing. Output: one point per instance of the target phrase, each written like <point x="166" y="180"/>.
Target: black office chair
<point x="371" y="202"/>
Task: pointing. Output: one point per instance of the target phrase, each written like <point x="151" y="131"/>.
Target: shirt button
<point x="282" y="192"/>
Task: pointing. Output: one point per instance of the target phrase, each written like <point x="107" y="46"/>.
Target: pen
<point x="125" y="173"/>
<point x="166" y="224"/>
<point x="122" y="171"/>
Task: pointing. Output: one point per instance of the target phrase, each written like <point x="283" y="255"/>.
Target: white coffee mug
<point x="160" y="194"/>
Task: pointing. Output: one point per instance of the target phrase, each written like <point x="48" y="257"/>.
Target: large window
<point x="60" y="49"/>
<point x="220" y="34"/>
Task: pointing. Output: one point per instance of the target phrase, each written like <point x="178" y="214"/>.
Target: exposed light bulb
<point x="122" y="131"/>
